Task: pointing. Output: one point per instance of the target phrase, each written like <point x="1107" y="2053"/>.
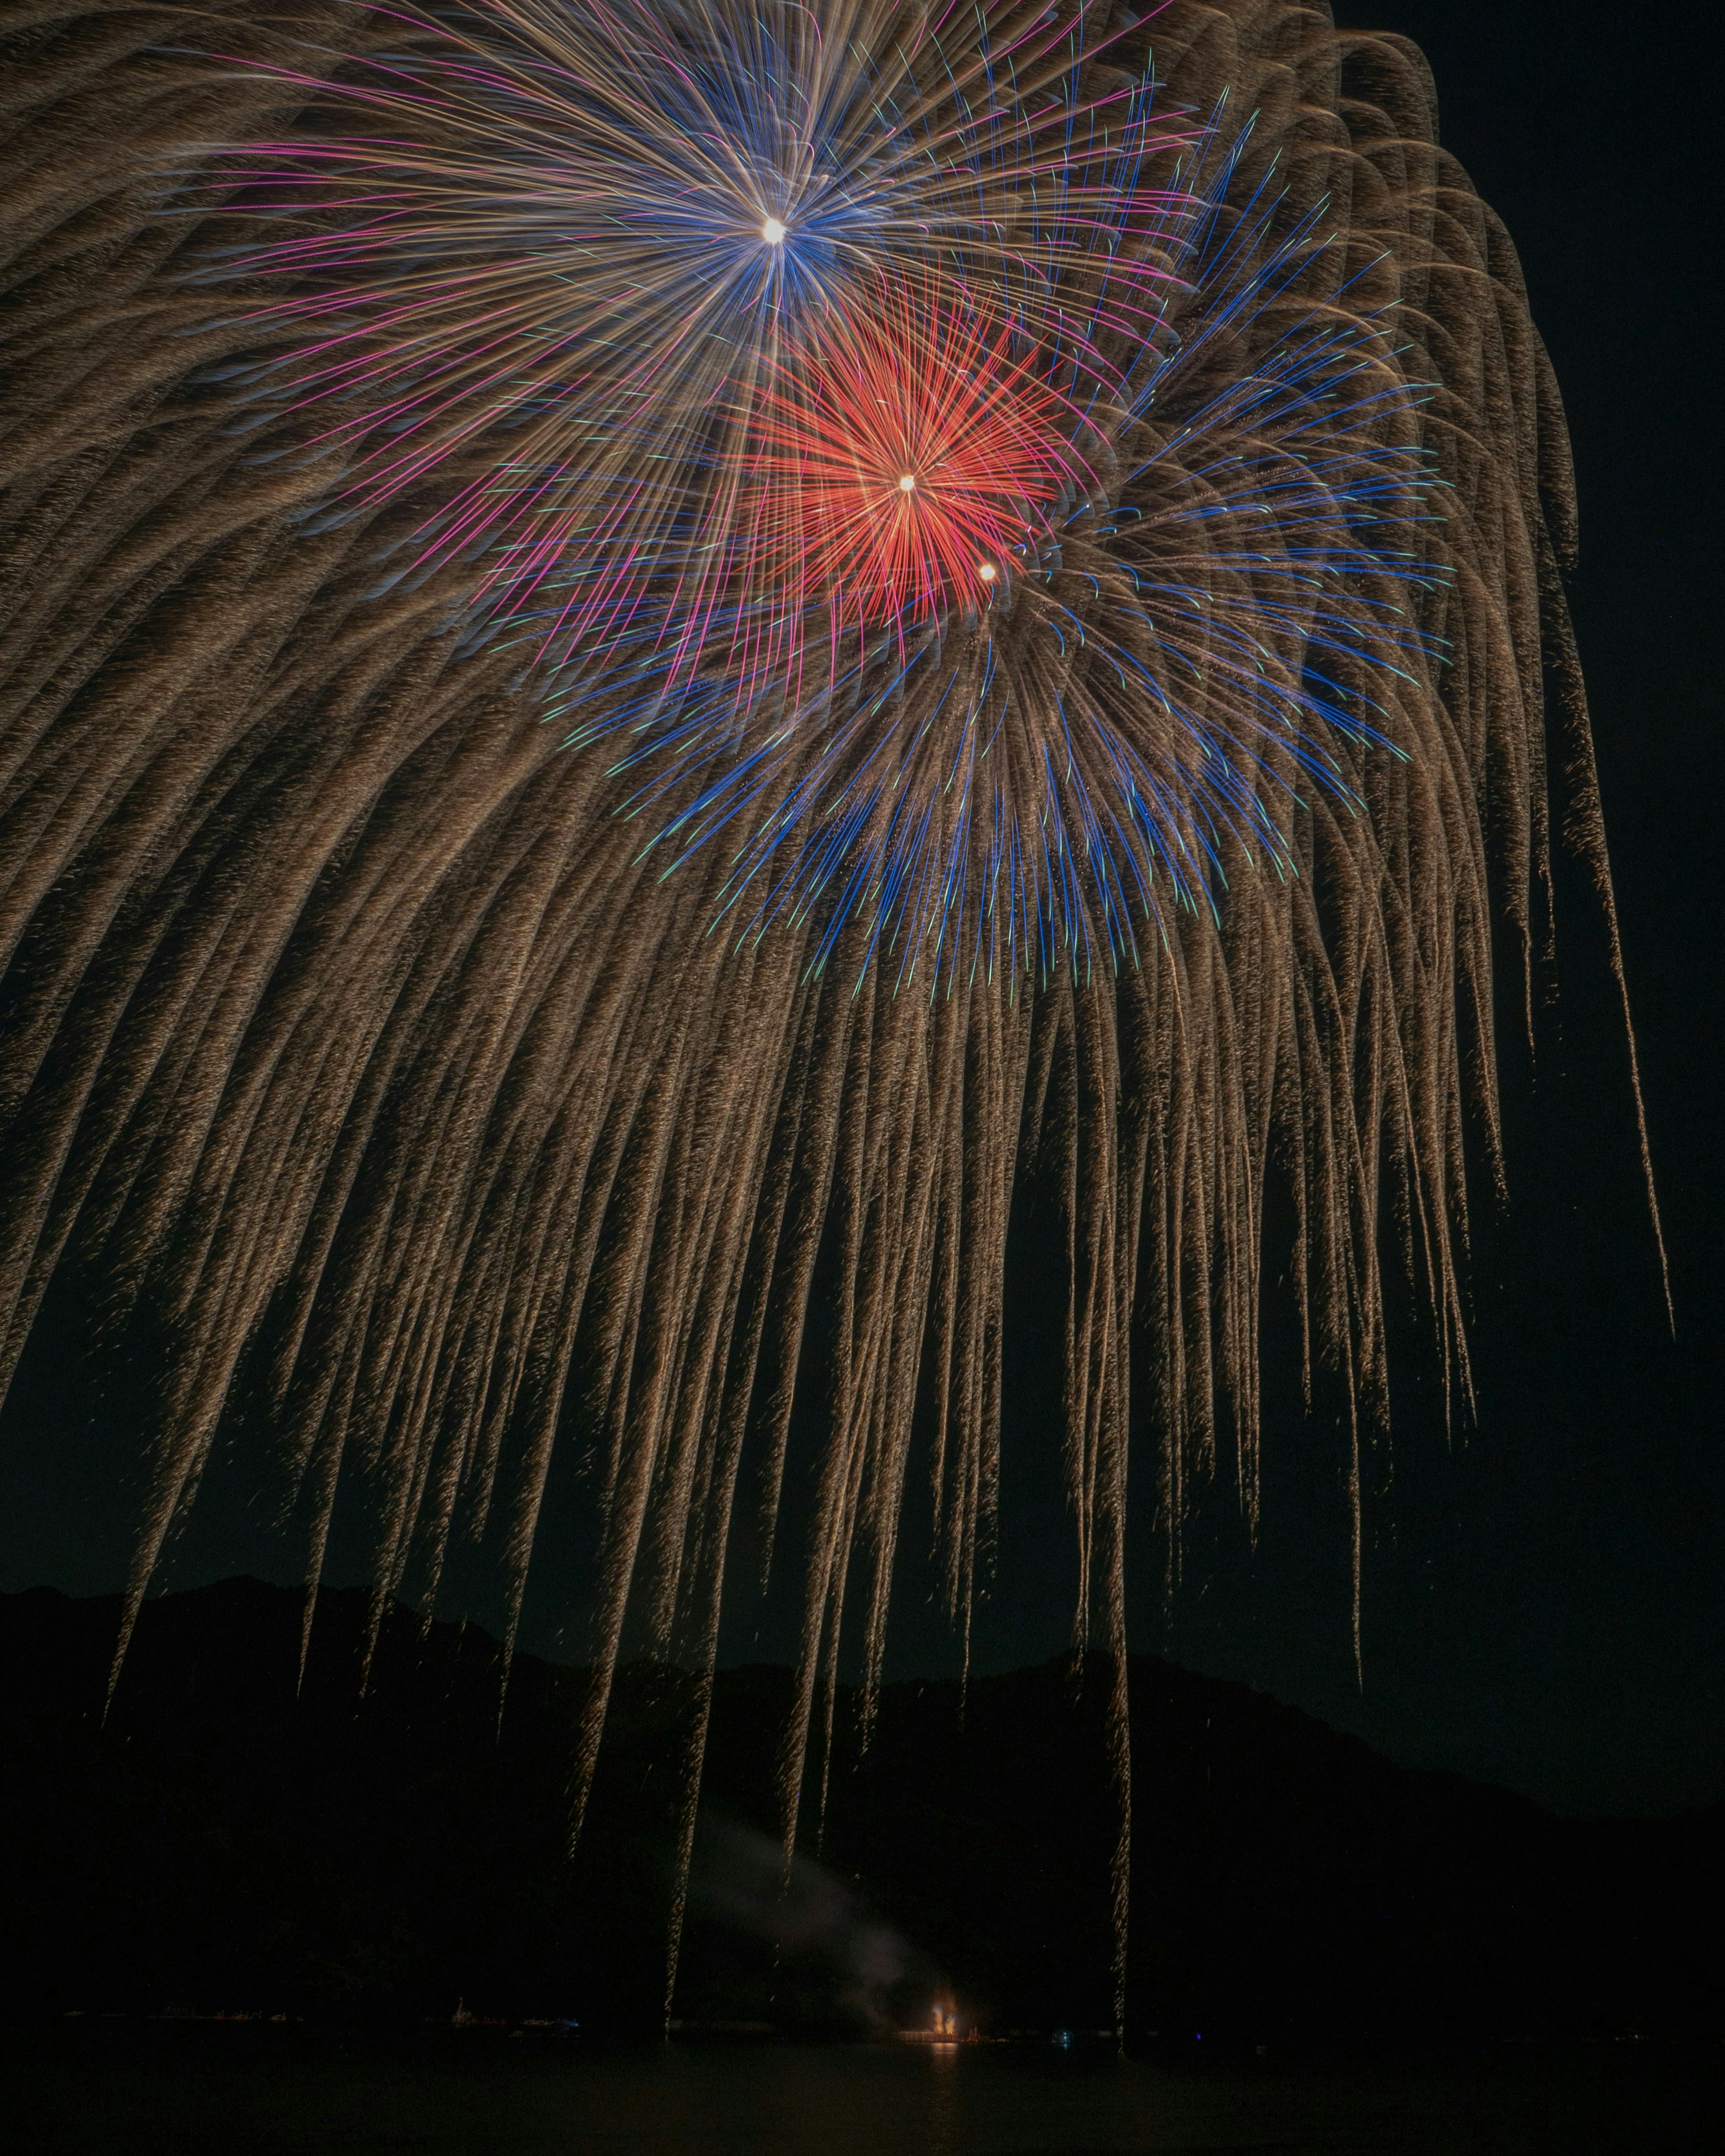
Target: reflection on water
<point x="167" y="2092"/>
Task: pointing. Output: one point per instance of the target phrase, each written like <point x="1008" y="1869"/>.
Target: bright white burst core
<point x="772" y="232"/>
<point x="987" y="572"/>
<point x="907" y="485"/>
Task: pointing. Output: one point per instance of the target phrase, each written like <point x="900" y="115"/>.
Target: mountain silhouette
<point x="391" y="1842"/>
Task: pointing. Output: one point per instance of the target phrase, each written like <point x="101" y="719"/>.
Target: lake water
<point x="243" y="2091"/>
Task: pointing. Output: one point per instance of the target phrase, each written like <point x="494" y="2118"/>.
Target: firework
<point x="1097" y="689"/>
<point x="583" y="248"/>
<point x="895" y="475"/>
<point x="792" y="349"/>
<point x="378" y="1062"/>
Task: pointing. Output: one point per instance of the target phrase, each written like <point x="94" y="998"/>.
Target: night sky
<point x="1545" y="1585"/>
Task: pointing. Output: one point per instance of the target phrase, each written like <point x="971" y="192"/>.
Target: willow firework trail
<point x="363" y="1063"/>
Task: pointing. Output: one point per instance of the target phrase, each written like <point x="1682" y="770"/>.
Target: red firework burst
<point x="901" y="460"/>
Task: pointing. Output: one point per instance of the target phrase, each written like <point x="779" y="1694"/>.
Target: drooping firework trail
<point x="650" y="646"/>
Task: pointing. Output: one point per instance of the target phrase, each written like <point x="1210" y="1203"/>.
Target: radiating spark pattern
<point x="910" y="450"/>
<point x="1190" y="633"/>
<point x="585" y="244"/>
<point x="779" y="434"/>
<point x="439" y="1103"/>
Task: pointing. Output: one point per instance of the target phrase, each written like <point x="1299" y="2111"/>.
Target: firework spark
<point x="910" y="455"/>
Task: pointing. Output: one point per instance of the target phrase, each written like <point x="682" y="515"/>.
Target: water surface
<point x="262" y="2092"/>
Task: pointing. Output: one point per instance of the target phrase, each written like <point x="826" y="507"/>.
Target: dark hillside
<point x="221" y="1843"/>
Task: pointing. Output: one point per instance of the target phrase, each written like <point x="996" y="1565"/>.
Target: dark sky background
<point x="1544" y="1595"/>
